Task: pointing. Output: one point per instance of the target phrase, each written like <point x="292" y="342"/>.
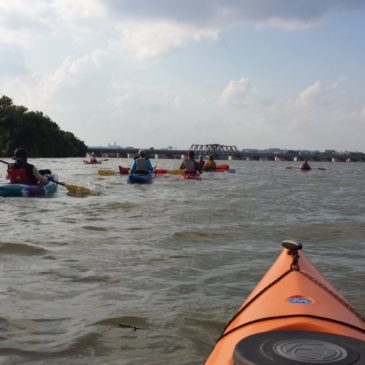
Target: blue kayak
<point x="141" y="178"/>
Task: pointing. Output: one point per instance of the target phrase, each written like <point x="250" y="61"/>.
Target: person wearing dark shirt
<point x="22" y="172"/>
<point x="190" y="165"/>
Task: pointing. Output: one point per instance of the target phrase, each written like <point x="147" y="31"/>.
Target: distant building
<point x="114" y="145"/>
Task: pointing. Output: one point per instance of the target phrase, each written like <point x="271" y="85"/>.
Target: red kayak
<point x="92" y="162"/>
<point x="123" y="170"/>
<point x="161" y="171"/>
<point x="188" y="176"/>
<point x="222" y="167"/>
<point x="294" y="316"/>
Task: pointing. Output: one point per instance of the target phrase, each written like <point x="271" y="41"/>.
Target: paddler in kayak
<point x="22" y="172"/>
<point x="210" y="165"/>
<point x="190" y="165"/>
<point x="93" y="158"/>
<point x="141" y="164"/>
<point x="305" y="165"/>
<point x="201" y="161"/>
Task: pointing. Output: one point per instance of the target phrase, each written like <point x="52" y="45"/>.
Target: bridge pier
<point x="157" y="156"/>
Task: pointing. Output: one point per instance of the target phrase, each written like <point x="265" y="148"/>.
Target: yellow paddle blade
<point x="175" y="172"/>
<point x="78" y="190"/>
<point x="105" y="172"/>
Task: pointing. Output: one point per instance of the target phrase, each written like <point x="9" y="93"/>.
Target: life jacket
<point x="210" y="165"/>
<point x="190" y="166"/>
<point x="21" y="173"/>
<point x="141" y="165"/>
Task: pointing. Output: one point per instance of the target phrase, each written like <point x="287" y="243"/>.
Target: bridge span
<point x="230" y="153"/>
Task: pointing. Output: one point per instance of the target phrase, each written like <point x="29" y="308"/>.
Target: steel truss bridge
<point x="217" y="150"/>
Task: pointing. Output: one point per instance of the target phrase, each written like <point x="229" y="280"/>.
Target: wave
<point x="21" y="249"/>
<point x="133" y="322"/>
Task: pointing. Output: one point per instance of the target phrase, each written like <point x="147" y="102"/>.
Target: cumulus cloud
<point x="320" y="94"/>
<point x="23" y="24"/>
<point x="310" y="94"/>
<point x="152" y="39"/>
<point x="154" y="27"/>
<point x="235" y="93"/>
<point x="71" y="72"/>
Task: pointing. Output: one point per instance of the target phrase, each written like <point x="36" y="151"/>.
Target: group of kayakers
<point x="22" y="172"/>
<point x="190" y="165"/>
<point x="142" y="164"/>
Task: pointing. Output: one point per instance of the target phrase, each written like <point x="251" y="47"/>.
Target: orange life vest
<point x="210" y="165"/>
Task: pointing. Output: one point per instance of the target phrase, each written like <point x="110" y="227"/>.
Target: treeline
<point x="35" y="132"/>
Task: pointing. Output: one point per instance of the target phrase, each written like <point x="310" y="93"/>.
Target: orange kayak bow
<point x="293" y="316"/>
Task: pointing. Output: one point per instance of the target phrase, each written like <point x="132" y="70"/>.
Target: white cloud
<point x="151" y="39"/>
<point x="323" y="95"/>
<point x="310" y="94"/>
<point x="71" y="72"/>
<point x="152" y="28"/>
<point x="24" y="23"/>
<point x="235" y="93"/>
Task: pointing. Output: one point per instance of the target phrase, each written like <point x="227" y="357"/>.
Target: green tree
<point x="35" y="132"/>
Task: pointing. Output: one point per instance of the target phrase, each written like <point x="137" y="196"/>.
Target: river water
<point x="150" y="274"/>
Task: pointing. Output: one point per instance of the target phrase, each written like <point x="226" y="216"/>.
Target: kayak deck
<point x="190" y="176"/>
<point x="134" y="178"/>
<point x="28" y="190"/>
<point x="292" y="296"/>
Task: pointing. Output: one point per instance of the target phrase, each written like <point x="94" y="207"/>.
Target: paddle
<point x="231" y="171"/>
<point x="109" y="172"/>
<point x="165" y="171"/>
<point x="74" y="189"/>
<point x="175" y="172"/>
<point x="313" y="168"/>
<point x="105" y="172"/>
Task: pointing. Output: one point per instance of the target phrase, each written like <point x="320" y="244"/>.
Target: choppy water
<point x="174" y="259"/>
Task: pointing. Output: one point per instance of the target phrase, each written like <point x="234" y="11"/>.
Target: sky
<point x="156" y="73"/>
